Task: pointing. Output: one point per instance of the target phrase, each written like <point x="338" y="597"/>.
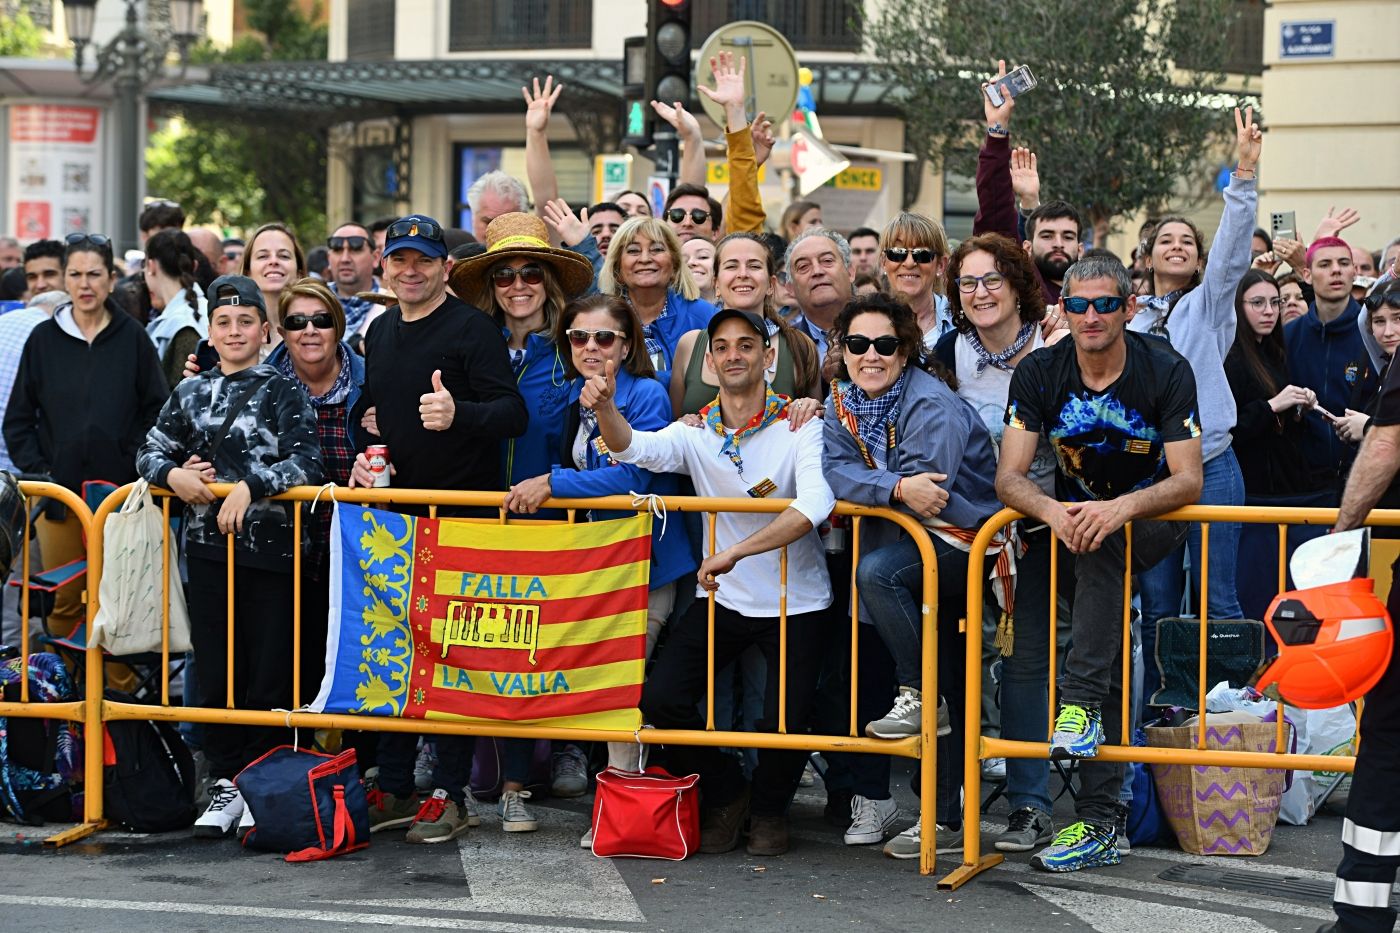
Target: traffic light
<point x="656" y="67"/>
<point x="668" y="51"/>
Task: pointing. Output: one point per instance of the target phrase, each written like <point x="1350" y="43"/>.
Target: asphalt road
<point x="543" y="883"/>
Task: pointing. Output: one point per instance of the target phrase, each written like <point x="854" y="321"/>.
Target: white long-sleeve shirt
<point x="793" y="462"/>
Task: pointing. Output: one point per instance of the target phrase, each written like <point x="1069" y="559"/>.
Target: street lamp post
<point x="130" y="61"/>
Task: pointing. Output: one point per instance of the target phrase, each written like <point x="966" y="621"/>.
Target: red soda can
<point x="378" y="456"/>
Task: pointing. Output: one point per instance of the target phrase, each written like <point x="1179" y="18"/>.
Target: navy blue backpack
<point x="308" y="805"/>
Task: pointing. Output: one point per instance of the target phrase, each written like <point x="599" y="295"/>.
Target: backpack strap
<point x="343" y="835"/>
<point x="234" y="410"/>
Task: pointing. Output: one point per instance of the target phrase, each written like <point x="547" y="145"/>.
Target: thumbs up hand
<point x="598" y="390"/>
<point x="437" y="407"/>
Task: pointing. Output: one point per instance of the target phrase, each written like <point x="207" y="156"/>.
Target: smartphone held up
<point x="1013" y="84"/>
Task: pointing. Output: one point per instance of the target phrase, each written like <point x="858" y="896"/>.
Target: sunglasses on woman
<point x="897" y="255"/>
<point x="603" y="338"/>
<point x="96" y="239"/>
<point x="321" y="320"/>
<point x="1105" y="304"/>
<point x="859" y="343"/>
<point x="504" y="277"/>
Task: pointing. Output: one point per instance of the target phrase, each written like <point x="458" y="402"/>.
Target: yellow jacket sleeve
<point x="745" y="213"/>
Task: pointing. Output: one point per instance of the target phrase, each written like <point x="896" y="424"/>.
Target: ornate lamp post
<point x="130" y="61"/>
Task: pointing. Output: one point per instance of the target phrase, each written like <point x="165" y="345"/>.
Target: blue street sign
<point x="1309" y="39"/>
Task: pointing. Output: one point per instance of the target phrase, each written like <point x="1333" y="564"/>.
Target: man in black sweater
<point x="440" y="383"/>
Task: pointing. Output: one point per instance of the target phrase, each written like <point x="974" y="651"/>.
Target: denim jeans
<point x="399" y="750"/>
<point x="890" y="580"/>
<point x="1163" y="587"/>
<point x="1093" y="668"/>
<point x="1025" y="689"/>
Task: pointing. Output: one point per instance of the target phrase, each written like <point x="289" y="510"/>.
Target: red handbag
<point x="646" y="815"/>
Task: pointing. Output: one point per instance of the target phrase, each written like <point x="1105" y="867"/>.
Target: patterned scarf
<point x="339" y="390"/>
<point x="872" y="420"/>
<point x="774" y="409"/>
<point x="1003" y="359"/>
<point x="1162" y="305"/>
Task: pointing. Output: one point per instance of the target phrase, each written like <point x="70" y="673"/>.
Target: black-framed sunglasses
<point x="887" y="345"/>
<point x="96" y="239"/>
<point x="233" y="257"/>
<point x="504" y="277"/>
<point x="897" y="255"/>
<point x="321" y="320"/>
<point x="355" y="244"/>
<point x="1390" y="298"/>
<point x="1104" y="304"/>
<point x="423" y="228"/>
<point x="967" y="284"/>
<point x="677" y="214"/>
<point x="604" y="338"/>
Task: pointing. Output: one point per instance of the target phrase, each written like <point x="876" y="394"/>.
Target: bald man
<point x="209" y="243"/>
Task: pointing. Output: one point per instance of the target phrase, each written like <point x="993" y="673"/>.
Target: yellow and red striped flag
<point x="455" y="619"/>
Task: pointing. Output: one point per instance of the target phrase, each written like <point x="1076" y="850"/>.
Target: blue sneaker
<point x="1078" y="732"/>
<point x="1083" y="845"/>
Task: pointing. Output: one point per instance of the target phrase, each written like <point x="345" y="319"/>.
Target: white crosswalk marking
<point x="1126" y="915"/>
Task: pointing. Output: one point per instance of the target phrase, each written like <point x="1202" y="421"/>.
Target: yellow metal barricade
<point x="921" y="747"/>
<point x="85" y="714"/>
<point x="980" y="747"/>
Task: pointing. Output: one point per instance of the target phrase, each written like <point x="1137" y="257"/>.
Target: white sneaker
<point x="224" y="811"/>
<point x="515" y="816"/>
<point x="471" y="807"/>
<point x="586" y="841"/>
<point x="869" y="820"/>
<point x="246" y="821"/>
<point x="994" y="768"/>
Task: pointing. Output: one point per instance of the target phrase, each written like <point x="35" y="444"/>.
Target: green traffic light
<point x="636" y="119"/>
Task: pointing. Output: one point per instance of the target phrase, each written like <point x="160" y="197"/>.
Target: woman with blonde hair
<point x="914" y="258"/>
<point x="644" y="265"/>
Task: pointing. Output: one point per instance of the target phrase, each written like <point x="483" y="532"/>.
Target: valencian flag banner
<point x="452" y="619"/>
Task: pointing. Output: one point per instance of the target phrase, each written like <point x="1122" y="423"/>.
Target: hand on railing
<point x="526" y="496"/>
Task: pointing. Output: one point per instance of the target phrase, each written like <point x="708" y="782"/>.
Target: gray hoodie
<point x="1202" y="325"/>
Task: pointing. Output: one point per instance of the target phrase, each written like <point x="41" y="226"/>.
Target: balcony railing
<point x="489" y="25"/>
<point x="810" y="25"/>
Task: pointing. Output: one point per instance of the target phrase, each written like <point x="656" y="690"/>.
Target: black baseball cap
<point x="753" y="320"/>
<point x="236" y="290"/>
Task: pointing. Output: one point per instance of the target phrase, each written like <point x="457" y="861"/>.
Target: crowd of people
<point x="717" y="351"/>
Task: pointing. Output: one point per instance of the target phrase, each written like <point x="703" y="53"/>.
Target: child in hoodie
<point x="240" y="422"/>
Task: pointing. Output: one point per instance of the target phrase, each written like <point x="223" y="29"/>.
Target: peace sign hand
<point x="1249" y="139"/>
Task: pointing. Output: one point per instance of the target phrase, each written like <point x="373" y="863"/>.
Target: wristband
<point x="897" y="497"/>
<point x="996" y="129"/>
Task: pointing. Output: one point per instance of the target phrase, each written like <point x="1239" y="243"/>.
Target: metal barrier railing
<point x="980" y="747"/>
<point x="922" y="747"/>
<point x="87" y="715"/>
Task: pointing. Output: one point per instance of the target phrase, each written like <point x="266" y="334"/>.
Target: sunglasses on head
<point x="1106" y="304"/>
<point x="96" y="239"/>
<point x="897" y="255"/>
<point x="321" y="320"/>
<point x="353" y="243"/>
<point x="677" y="214"/>
<point x="1390" y="298"/>
<point x="504" y="277"/>
<point x="603" y="338"/>
<point x="421" y="228"/>
<point x="859" y="343"/>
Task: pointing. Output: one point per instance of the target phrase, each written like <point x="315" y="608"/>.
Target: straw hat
<point x="516" y="235"/>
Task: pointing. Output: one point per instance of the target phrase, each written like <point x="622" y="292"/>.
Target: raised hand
<point x="1333" y="225"/>
<point x="1291" y="252"/>
<point x="995" y="114"/>
<point x="687" y="127"/>
<point x="437" y="407"/>
<point x="572" y="230"/>
<point x="598" y="390"/>
<point x="539" y="103"/>
<point x="763" y="139"/>
<point x="1025" y="177"/>
<point x="729" y="88"/>
<point x="1249" y="139"/>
